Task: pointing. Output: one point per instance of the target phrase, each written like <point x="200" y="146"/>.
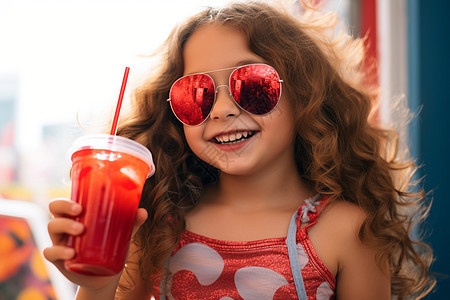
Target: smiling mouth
<point x="233" y="138"/>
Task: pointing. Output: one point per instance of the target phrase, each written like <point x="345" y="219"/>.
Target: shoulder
<point x="336" y="230"/>
<point x="358" y="273"/>
<point x="341" y="221"/>
<point x="346" y="216"/>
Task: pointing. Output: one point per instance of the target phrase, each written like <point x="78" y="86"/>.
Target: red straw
<point x="119" y="102"/>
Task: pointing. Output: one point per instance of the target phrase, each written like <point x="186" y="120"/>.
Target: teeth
<point x="233" y="137"/>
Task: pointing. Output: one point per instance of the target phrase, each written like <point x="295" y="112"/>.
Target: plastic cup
<point x="108" y="175"/>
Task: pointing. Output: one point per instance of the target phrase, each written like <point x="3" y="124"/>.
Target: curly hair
<point x="339" y="152"/>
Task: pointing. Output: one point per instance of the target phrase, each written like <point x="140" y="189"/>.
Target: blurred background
<point x="61" y="66"/>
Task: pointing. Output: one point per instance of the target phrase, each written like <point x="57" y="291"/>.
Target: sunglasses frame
<point x="229" y="91"/>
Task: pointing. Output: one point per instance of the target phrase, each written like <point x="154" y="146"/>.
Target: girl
<point x="270" y="181"/>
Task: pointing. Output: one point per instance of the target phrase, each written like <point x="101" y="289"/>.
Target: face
<point x="259" y="142"/>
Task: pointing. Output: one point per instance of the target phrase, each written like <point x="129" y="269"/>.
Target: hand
<point x="63" y="224"/>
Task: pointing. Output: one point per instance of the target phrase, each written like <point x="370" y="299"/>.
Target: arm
<point x="131" y="285"/>
<point x="107" y="292"/>
<point x="359" y="276"/>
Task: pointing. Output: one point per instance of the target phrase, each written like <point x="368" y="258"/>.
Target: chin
<point x="235" y="168"/>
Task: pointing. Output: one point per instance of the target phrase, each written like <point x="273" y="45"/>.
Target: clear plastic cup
<point x="108" y="175"/>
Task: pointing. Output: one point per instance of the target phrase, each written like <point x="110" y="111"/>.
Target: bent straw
<point x="119" y="103"/>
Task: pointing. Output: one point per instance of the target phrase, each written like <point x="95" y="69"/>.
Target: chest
<point x="202" y="267"/>
<point x="235" y="271"/>
<point x="231" y="226"/>
<point x="224" y="226"/>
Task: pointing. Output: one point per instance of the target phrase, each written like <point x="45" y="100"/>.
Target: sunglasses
<point x="256" y="88"/>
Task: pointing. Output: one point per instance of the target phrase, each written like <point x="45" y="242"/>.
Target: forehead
<point x="213" y="47"/>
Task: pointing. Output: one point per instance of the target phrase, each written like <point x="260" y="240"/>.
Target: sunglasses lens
<point x="256" y="88"/>
<point x="192" y="98"/>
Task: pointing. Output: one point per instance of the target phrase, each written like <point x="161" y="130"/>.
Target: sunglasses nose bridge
<point x="223" y="85"/>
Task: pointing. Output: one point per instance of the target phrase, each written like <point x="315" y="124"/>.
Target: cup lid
<point x="114" y="143"/>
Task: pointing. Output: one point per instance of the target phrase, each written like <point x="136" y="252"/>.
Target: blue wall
<point x="429" y="86"/>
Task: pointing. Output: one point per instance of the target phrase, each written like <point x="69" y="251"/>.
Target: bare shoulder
<point x="339" y="225"/>
<point x="358" y="275"/>
<point x="337" y="209"/>
<point x="346" y="217"/>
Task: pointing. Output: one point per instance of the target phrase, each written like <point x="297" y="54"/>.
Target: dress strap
<point x="310" y="211"/>
<point x="293" y="258"/>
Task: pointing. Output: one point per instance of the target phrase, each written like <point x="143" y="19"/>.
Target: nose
<point x="224" y="107"/>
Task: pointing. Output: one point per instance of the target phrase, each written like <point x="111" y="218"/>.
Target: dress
<point x="206" y="268"/>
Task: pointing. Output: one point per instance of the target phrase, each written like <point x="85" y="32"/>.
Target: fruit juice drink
<point x="108" y="184"/>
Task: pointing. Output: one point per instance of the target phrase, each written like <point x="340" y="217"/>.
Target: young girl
<point x="271" y="183"/>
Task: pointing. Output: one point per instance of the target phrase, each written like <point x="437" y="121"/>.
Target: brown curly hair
<point x="339" y="153"/>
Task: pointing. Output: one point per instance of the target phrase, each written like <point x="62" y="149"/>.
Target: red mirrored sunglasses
<point x="256" y="88"/>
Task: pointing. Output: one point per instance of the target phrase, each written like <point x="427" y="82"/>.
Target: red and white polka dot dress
<point x="205" y="268"/>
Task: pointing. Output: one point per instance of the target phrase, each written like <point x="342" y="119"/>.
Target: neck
<point x="273" y="189"/>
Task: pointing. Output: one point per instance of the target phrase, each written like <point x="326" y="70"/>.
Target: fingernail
<point x="77" y="227"/>
<point x="76" y="208"/>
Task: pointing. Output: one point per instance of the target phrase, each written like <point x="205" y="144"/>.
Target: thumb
<point x="141" y="216"/>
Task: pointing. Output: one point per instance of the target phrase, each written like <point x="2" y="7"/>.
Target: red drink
<point x="108" y="184"/>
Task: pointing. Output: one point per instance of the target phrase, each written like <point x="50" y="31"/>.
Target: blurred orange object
<point x="16" y="247"/>
<point x="22" y="271"/>
<point x="24" y="274"/>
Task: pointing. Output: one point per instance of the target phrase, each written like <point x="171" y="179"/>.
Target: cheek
<point x="194" y="138"/>
<point x="281" y="124"/>
<point x="281" y="118"/>
<point x="203" y="149"/>
<point x="189" y="134"/>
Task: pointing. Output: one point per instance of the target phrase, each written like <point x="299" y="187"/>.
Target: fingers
<point x="63" y="207"/>
<point x="141" y="216"/>
<point x="62" y="225"/>
<point x="58" y="253"/>
<point x="59" y="228"/>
